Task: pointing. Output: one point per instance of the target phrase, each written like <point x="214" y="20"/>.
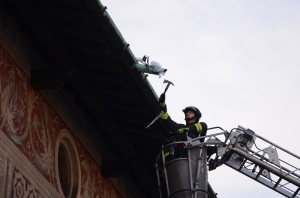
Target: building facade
<point x="40" y="156"/>
<point x="44" y="143"/>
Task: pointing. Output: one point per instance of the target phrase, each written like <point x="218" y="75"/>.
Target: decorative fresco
<point x="22" y="188"/>
<point x="94" y="182"/>
<point x="29" y="121"/>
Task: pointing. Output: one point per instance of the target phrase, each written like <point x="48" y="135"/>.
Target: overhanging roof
<point x="86" y="55"/>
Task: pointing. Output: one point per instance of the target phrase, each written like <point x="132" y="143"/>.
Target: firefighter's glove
<point x="183" y="130"/>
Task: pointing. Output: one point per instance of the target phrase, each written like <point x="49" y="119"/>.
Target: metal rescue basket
<point x="181" y="169"/>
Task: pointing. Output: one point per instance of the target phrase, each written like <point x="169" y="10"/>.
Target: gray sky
<point x="236" y="60"/>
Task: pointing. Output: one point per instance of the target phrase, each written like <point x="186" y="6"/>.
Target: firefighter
<point x="193" y="128"/>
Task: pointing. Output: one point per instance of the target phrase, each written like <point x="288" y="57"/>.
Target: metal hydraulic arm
<point x="261" y="160"/>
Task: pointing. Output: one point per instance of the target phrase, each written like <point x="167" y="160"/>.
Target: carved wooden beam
<point x="55" y="59"/>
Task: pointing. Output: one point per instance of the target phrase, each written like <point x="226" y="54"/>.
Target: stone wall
<point x="39" y="154"/>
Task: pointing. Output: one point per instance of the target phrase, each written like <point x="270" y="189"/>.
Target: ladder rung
<point x="296" y="192"/>
<point x="277" y="183"/>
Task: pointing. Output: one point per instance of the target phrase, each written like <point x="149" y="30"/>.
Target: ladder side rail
<point x="277" y="146"/>
<point x="190" y="174"/>
<point x="242" y="129"/>
<point x="288" y="172"/>
<point x="264" y="181"/>
<point x="265" y="165"/>
<point x="282" y="189"/>
<point x="165" y="171"/>
<point x="241" y="155"/>
<point x="196" y="184"/>
<point x="296" y="192"/>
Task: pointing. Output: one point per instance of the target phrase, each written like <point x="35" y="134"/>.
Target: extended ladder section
<point x="263" y="161"/>
<point x="182" y="166"/>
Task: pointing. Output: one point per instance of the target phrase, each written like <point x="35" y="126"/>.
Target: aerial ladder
<point x="241" y="149"/>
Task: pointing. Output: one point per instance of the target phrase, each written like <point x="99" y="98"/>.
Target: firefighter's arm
<point x="195" y="128"/>
<point x="171" y="125"/>
<point x="163" y="107"/>
<point x="162" y="103"/>
<point x="165" y="117"/>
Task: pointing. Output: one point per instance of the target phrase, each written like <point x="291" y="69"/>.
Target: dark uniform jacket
<point x="193" y="129"/>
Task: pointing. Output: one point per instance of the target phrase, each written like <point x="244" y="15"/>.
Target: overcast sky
<point x="236" y="60"/>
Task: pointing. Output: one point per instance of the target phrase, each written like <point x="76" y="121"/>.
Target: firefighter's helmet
<point x="193" y="109"/>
